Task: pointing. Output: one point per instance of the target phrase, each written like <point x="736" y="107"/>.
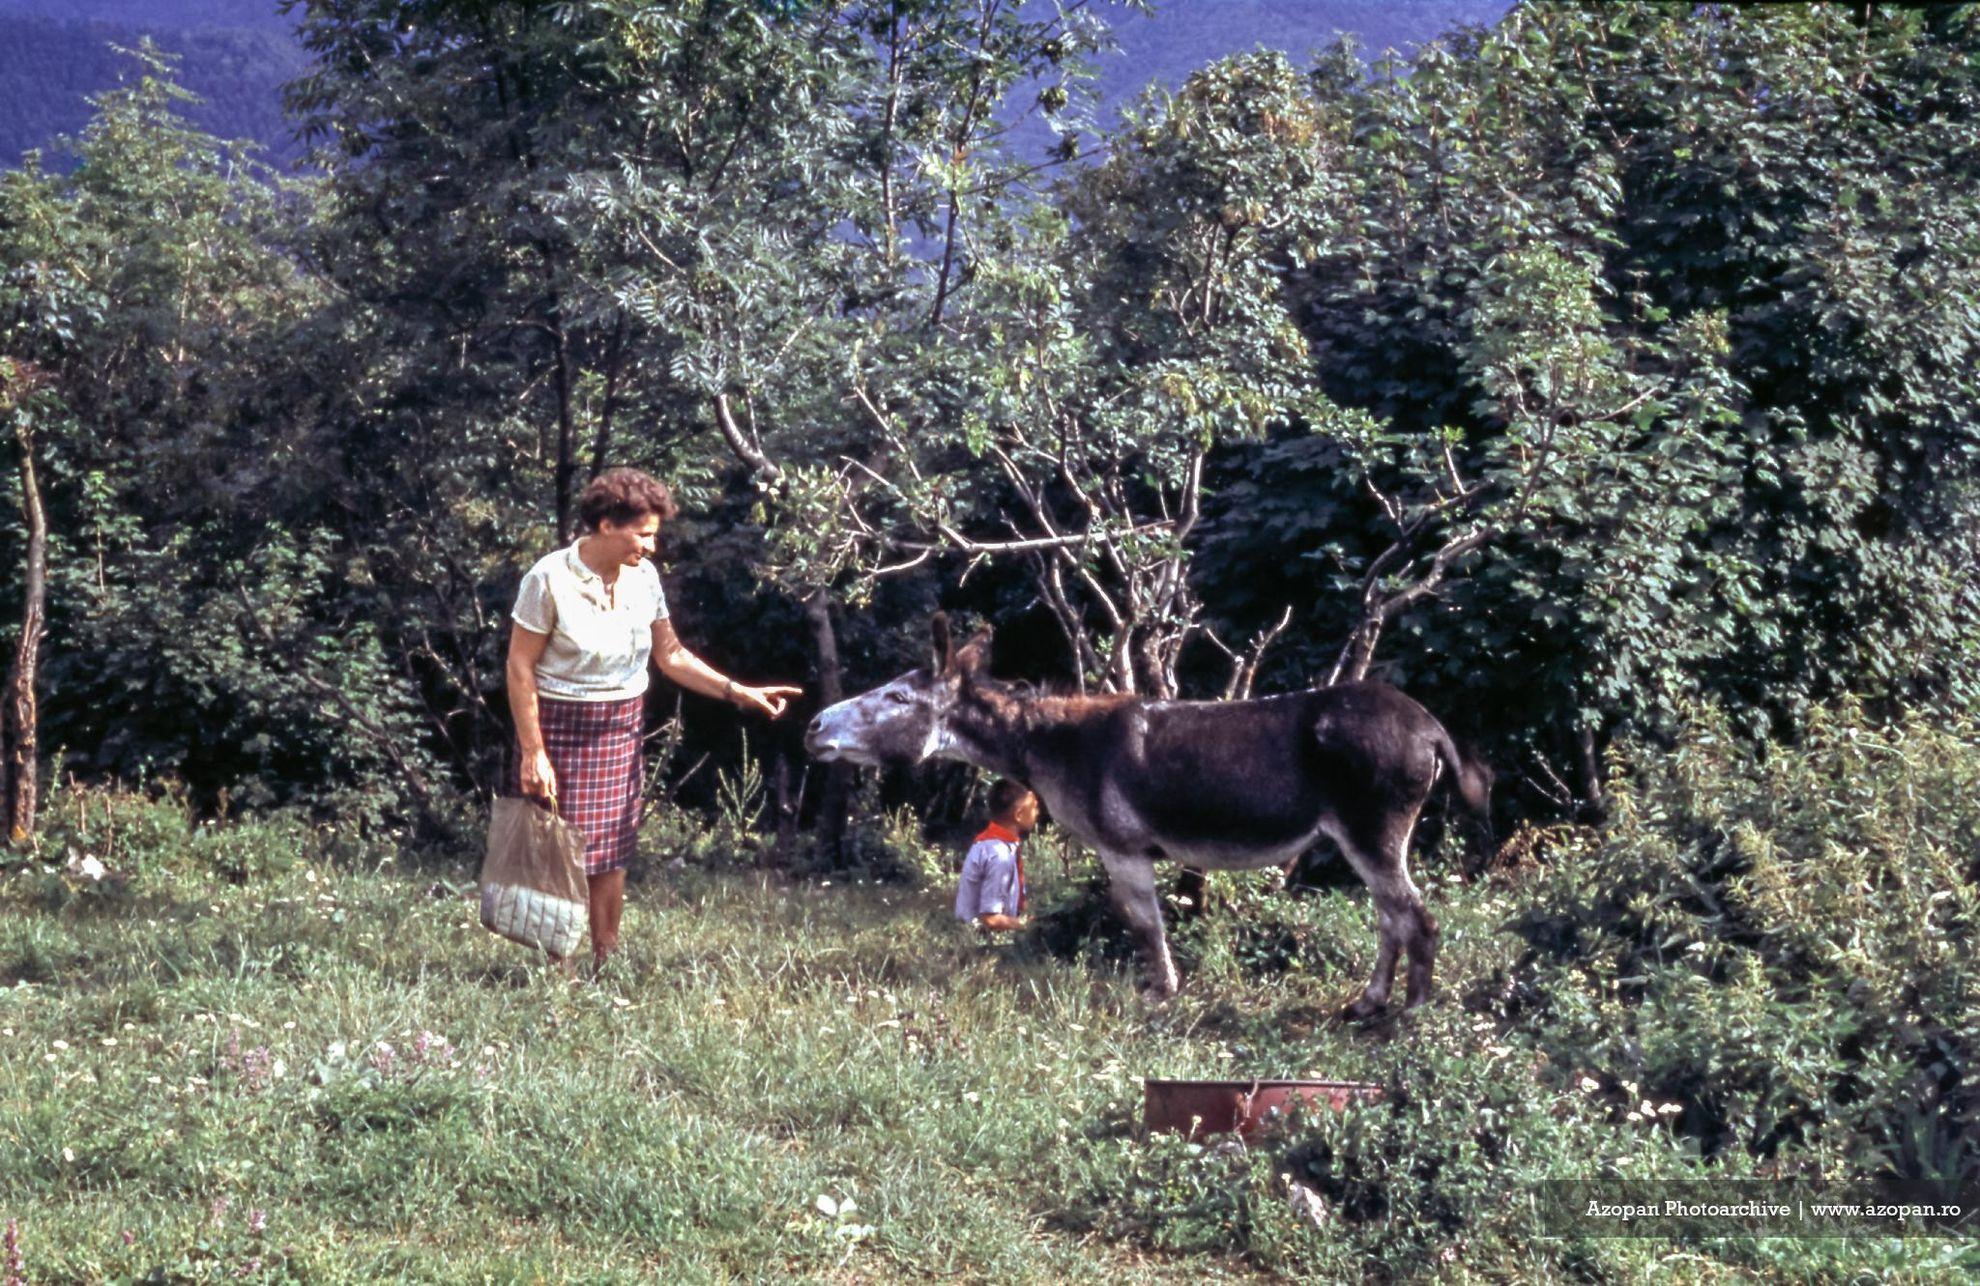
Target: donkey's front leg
<point x="1131" y="884"/>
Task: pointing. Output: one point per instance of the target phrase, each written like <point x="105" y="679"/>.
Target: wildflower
<point x="218" y="1213"/>
<point x="257" y="1221"/>
<point x="1590" y="1084"/>
<point x="16" y="1264"/>
<point x="432" y="1049"/>
<point x="88" y="867"/>
<point x="1670" y="1109"/>
<point x="382" y="1057"/>
<point x="60" y="1044"/>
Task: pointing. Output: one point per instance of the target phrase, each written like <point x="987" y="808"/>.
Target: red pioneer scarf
<point x="994" y="831"/>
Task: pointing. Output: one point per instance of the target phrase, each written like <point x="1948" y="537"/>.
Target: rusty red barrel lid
<point x="1203" y="1107"/>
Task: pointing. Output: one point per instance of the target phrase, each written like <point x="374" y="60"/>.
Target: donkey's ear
<point x="973" y="657"/>
<point x="943" y="648"/>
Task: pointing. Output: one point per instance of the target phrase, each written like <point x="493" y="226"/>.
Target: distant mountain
<point x="237" y="54"/>
<point x="50" y="69"/>
<point x="1185" y="34"/>
<point x="156" y="15"/>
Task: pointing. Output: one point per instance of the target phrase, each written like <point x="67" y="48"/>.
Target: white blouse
<point x="600" y="641"/>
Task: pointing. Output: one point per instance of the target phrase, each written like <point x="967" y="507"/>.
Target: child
<point x="992" y="890"/>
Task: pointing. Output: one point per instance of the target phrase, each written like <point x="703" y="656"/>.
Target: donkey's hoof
<point x="1364" y="1009"/>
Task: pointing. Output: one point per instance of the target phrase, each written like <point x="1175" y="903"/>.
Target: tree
<point x="22" y="402"/>
<point x="149" y="290"/>
<point x="811" y="175"/>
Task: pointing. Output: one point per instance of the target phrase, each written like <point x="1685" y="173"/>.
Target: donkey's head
<point x="908" y="720"/>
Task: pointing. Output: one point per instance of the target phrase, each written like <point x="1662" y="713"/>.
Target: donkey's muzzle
<point x="817" y="744"/>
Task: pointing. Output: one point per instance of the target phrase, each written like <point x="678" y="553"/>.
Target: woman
<point x="587" y="621"/>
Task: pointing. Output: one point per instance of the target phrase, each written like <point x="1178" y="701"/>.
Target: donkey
<point x="1226" y="785"/>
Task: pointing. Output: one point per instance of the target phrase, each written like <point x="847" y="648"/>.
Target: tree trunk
<point x="601" y="441"/>
<point x="835" y="794"/>
<point x="18" y="721"/>
<point x="787" y="810"/>
<point x="1589" y="763"/>
<point x="566" y="431"/>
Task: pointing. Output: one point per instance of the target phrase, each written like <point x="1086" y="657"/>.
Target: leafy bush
<point x="1759" y="967"/>
<point x="101" y="847"/>
<point x="1781" y="943"/>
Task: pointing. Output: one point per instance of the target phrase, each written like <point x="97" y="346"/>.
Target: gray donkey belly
<point x="1225" y="786"/>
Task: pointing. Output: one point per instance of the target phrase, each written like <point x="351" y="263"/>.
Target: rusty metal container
<point x="1200" y="1108"/>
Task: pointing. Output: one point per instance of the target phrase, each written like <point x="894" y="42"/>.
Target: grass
<point x="311" y="1065"/>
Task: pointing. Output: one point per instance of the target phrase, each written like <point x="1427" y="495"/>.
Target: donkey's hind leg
<point x="1131" y="885"/>
<point x="1379" y="856"/>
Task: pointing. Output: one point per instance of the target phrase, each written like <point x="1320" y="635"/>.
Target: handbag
<point x="533" y="888"/>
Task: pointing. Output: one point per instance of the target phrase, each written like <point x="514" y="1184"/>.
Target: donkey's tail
<point x="1471" y="773"/>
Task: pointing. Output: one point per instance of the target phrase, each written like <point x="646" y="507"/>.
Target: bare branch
<point x="744" y="448"/>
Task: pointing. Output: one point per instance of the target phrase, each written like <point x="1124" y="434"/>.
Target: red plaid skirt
<point x="594" y="749"/>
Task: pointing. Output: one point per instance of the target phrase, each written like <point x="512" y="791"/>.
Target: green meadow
<point x="261" y="1051"/>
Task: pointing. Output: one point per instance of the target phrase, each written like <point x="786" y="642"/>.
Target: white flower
<point x="1590" y="1084"/>
<point x="88" y="868"/>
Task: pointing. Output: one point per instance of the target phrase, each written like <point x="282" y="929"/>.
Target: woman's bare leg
<point x="608" y="902"/>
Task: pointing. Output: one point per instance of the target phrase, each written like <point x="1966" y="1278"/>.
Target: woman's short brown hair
<point x="624" y="496"/>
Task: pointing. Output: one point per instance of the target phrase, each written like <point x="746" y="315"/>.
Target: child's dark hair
<point x="1005" y="794"/>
